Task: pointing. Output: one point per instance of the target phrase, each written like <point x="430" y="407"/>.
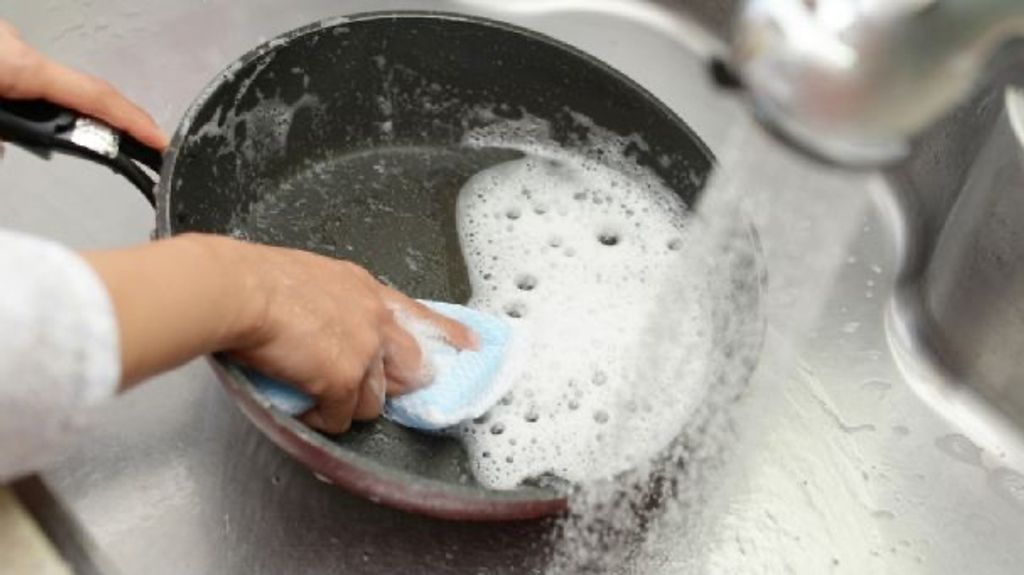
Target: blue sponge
<point x="465" y="383"/>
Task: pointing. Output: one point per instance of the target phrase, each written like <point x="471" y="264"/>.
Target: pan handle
<point x="42" y="128"/>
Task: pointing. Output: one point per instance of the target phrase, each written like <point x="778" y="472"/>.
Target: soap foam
<point x="587" y="254"/>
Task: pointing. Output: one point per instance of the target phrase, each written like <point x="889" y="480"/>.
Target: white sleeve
<point x="59" y="349"/>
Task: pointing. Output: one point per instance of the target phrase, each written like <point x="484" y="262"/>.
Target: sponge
<point x="465" y="383"/>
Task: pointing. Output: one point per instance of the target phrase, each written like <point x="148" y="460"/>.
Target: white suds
<point x="580" y="253"/>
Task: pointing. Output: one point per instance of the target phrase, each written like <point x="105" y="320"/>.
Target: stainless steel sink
<point x="957" y="321"/>
<point x="885" y="441"/>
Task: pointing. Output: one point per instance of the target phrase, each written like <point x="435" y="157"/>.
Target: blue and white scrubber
<point x="465" y="383"/>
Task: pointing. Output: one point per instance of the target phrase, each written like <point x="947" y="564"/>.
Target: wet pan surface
<point x="346" y="138"/>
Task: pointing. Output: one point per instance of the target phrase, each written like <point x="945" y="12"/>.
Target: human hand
<point x="325" y="326"/>
<point x="26" y="74"/>
<point x="329" y="327"/>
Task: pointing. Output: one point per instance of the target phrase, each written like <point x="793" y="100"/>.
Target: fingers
<point x="403" y="360"/>
<point x="394" y="388"/>
<point x="96" y="98"/>
<point x="331" y="330"/>
<point x="352" y="393"/>
<point x="454" y="332"/>
<point x="371" y="393"/>
<point x="337" y="382"/>
<point x="333" y="414"/>
<point x="25" y="73"/>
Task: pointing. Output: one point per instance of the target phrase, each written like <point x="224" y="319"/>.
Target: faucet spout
<point x="853" y="81"/>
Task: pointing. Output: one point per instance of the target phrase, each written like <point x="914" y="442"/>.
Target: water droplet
<point x="601" y="416"/>
<point x="960" y="448"/>
<point x="555" y="241"/>
<point x="608" y="238"/>
<point x="532" y="415"/>
<point x="675" y="244"/>
<point x="498" y="428"/>
<point x="574" y="404"/>
<point x="878" y="385"/>
<point x="513" y="213"/>
<point x="883" y="514"/>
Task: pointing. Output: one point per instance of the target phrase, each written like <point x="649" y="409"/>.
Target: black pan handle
<point x="43" y="127"/>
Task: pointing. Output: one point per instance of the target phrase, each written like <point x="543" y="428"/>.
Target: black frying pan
<point x="311" y="116"/>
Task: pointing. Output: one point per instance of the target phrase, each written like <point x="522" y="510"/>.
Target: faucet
<point x="847" y="81"/>
<point x="861" y="83"/>
<point x="853" y="81"/>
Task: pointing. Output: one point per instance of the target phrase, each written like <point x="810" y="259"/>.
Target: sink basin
<point x="883" y="440"/>
<point x="957" y="320"/>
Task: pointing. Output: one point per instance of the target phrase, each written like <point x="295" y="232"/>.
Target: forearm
<point x="175" y="300"/>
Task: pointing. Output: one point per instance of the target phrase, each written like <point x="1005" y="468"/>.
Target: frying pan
<point x="351" y="128"/>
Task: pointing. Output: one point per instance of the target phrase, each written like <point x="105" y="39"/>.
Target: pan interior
<point x="346" y="140"/>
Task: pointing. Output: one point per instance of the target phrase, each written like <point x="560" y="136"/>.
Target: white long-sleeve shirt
<point x="59" y="349"/>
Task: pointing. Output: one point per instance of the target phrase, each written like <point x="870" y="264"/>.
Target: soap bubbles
<point x="577" y="256"/>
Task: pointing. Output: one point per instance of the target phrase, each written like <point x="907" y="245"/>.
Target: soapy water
<point x="721" y="498"/>
<point x="575" y="253"/>
<point x="672" y="512"/>
<point x="644" y="329"/>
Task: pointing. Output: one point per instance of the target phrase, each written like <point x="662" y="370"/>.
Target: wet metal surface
<point x="175" y="480"/>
